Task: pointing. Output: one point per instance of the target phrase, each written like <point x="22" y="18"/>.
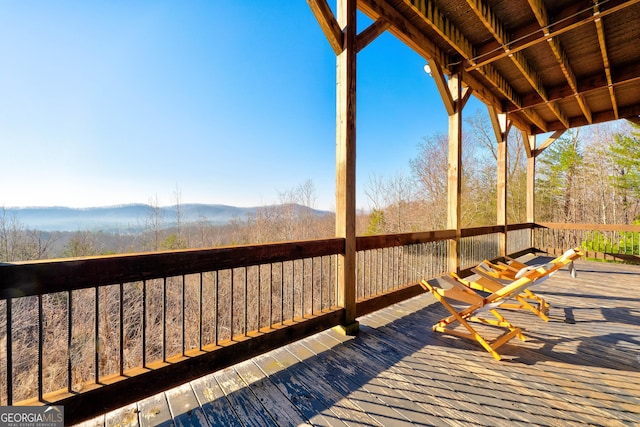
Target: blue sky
<point x="113" y="102"/>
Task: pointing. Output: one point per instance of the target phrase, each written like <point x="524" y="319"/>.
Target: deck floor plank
<point x="215" y="405"/>
<point x="270" y="396"/>
<point x="124" y="417"/>
<point x="185" y="408"/>
<point x="154" y="411"/>
<point x="298" y="394"/>
<point x="245" y="404"/>
<point x="580" y="368"/>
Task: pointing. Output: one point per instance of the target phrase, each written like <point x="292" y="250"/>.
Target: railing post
<point x="346" y="163"/>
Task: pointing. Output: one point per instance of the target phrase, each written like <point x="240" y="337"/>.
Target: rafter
<point x="495" y="27"/>
<point x="500" y="123"/>
<point x="432" y="16"/>
<point x="529" y="142"/>
<point x="540" y="11"/>
<point x="624" y="75"/>
<point x="370" y="33"/>
<point x="536" y="119"/>
<point x="402" y="29"/>
<point x="605" y="59"/>
<point x="553" y="138"/>
<point x="328" y="23"/>
<point x="441" y="84"/>
<point x="407" y="32"/>
<point x="565" y="25"/>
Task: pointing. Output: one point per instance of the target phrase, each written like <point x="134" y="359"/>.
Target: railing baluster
<point x="246" y="288"/>
<point x="69" y="341"/>
<point x="183" y="315"/>
<point x="231" y="305"/>
<point x="281" y="292"/>
<point x="164" y="319"/>
<point x="40" y="347"/>
<point x="313" y="282"/>
<point x="293" y="289"/>
<point x="302" y="285"/>
<point x="217" y="314"/>
<point x="121" y="301"/>
<point x="270" y="295"/>
<point x="259" y="284"/>
<point x="97" y="336"/>
<point x="144" y="323"/>
<point x="9" y="334"/>
<point x="200" y="310"/>
<point x="321" y="282"/>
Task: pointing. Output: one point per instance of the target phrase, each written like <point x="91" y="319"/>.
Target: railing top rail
<point x="590" y="227"/>
<point x="364" y="243"/>
<point x="59" y="275"/>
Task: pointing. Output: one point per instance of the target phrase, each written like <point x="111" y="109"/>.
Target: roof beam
<point x="500" y="123"/>
<point x="529" y="142"/>
<point x="566" y="20"/>
<point x="495" y="27"/>
<point x="413" y="37"/>
<point x="553" y="138"/>
<point x="371" y="33"/>
<point x="540" y="11"/>
<point x="432" y="16"/>
<point x="442" y="86"/>
<point x="536" y="119"/>
<point x="621" y="76"/>
<point x="406" y="32"/>
<point x="605" y="59"/>
<point x="328" y="23"/>
<point x="402" y="29"/>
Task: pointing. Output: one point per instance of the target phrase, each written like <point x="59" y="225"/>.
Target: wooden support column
<point x="531" y="188"/>
<point x="501" y="128"/>
<point x="346" y="163"/>
<point x="454" y="97"/>
<point x="345" y="42"/>
<point x="530" y="147"/>
<point x="454" y="186"/>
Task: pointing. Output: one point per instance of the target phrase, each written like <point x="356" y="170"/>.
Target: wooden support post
<point x="501" y="217"/>
<point x="454" y="187"/>
<point x="346" y="163"/>
<point x="531" y="188"/>
<point x="501" y="128"/>
<point x="530" y="143"/>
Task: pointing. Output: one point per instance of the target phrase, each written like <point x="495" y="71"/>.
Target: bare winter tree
<point x="20" y="244"/>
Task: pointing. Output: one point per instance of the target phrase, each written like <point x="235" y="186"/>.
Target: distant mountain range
<point x="124" y="218"/>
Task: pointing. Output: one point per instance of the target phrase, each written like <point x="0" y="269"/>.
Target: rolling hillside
<point x="123" y="218"/>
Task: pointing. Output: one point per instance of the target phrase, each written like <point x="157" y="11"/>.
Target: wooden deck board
<point x="215" y="405"/>
<point x="185" y="408"/>
<point x="154" y="411"/>
<point x="581" y="367"/>
<point x="245" y="404"/>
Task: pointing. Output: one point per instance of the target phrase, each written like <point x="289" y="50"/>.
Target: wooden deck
<point x="582" y="367"/>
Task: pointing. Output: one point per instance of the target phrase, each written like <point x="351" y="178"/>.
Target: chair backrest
<point x="529" y="276"/>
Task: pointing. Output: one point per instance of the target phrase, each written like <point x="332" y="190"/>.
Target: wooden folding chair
<point x="476" y="304"/>
<point x="526" y="300"/>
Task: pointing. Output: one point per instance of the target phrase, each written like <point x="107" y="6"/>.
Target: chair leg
<point x="465" y="316"/>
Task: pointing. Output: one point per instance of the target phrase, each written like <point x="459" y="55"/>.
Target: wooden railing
<point x="608" y="242"/>
<point x="94" y="334"/>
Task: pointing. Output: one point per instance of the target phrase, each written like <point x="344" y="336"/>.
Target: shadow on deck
<point x="582" y="367"/>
